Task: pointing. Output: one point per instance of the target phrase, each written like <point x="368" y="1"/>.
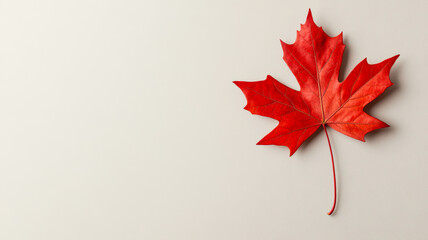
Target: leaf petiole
<point x="334" y="172"/>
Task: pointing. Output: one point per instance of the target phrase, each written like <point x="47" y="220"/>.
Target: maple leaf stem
<point x="334" y="171"/>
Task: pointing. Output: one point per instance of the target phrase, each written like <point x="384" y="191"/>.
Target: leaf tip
<point x="309" y="17"/>
<point x="284" y="44"/>
<point x="394" y="58"/>
<point x="269" y="78"/>
<point x="309" y="20"/>
<point x="384" y="125"/>
<point x="237" y="83"/>
<point x="340" y="36"/>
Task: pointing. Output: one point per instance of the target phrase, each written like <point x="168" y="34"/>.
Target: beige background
<point x="119" y="120"/>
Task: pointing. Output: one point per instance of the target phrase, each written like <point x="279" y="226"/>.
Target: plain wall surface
<point x="119" y="120"/>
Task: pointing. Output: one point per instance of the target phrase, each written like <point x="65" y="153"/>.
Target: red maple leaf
<point x="315" y="60"/>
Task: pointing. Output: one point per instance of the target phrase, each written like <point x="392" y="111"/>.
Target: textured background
<point x="119" y="120"/>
